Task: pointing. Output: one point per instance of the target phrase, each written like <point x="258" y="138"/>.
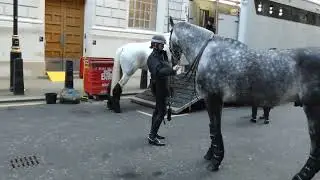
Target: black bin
<point x="51" y="98"/>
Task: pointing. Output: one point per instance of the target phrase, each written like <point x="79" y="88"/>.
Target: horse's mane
<point x="205" y="36"/>
<point x="217" y="38"/>
<point x="232" y="43"/>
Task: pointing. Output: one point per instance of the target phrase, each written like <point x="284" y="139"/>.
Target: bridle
<point x="173" y="52"/>
<point x="195" y="63"/>
<point x="193" y="68"/>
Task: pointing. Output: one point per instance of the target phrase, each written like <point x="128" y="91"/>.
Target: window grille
<point x="143" y="14"/>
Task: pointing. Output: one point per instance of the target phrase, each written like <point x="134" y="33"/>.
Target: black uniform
<point x="266" y="111"/>
<point x="160" y="69"/>
<point x="211" y="28"/>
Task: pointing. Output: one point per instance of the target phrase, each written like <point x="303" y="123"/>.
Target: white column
<point x="243" y="20"/>
<point x="185" y="10"/>
<point x="161" y="15"/>
<point x="191" y="13"/>
<point x="89" y="18"/>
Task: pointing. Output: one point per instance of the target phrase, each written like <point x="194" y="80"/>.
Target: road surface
<point x="89" y="142"/>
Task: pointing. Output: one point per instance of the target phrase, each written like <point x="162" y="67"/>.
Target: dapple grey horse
<point x="227" y="70"/>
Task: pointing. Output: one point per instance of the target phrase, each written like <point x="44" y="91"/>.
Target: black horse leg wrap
<point x="117" y="91"/>
<point x="307" y="172"/>
<point x="217" y="149"/>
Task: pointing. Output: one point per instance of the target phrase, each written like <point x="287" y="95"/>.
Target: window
<point x="296" y="14"/>
<point x="311" y="18"/>
<point x="285" y="12"/>
<point x="143" y="14"/>
<point x="317" y="19"/>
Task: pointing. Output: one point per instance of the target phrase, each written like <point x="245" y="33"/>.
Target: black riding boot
<point x="266" y="112"/>
<point x="153" y="119"/>
<point x="153" y="140"/>
<point x="254" y="114"/>
<point x="159" y="137"/>
<point x="117" y="91"/>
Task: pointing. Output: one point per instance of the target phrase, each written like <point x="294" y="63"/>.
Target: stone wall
<point x="178" y="10"/>
<point x="31" y="28"/>
<point x="112" y="13"/>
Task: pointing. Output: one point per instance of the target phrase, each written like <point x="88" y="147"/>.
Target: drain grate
<point x="26" y="161"/>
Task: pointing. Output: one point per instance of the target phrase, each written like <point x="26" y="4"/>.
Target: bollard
<point x="68" y="94"/>
<point x="18" y="82"/>
<point x="68" y="82"/>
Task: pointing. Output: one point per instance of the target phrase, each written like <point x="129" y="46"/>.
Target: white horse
<point x="129" y="58"/>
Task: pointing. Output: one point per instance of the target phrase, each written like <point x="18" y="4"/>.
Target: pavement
<point x="88" y="142"/>
<point x="35" y="89"/>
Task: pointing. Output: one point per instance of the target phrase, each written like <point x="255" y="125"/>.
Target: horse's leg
<point x="266" y="112"/>
<point x="312" y="166"/>
<point x="216" y="150"/>
<point x="117" y="91"/>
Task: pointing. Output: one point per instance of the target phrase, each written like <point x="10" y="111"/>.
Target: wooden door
<point x="64" y="33"/>
<point x="73" y="30"/>
<point x="53" y="34"/>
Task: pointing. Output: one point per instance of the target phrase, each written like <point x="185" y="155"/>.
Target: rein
<point x="195" y="63"/>
<point x="194" y="66"/>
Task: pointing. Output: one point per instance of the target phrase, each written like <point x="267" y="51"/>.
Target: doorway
<point x="204" y="16"/>
<point x="64" y="20"/>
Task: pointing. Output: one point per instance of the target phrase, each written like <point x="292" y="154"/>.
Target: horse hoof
<point x="266" y="122"/>
<point x="213" y="167"/>
<point x="253" y="120"/>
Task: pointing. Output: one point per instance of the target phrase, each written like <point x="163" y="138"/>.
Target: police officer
<point x="160" y="70"/>
<point x="266" y="112"/>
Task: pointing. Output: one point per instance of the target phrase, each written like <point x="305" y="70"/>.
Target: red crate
<point x="97" y="74"/>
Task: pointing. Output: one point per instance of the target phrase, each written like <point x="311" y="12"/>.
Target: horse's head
<point x="187" y="39"/>
<point x="174" y="48"/>
<point x="166" y="48"/>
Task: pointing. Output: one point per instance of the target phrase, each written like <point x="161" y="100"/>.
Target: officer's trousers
<point x="266" y="111"/>
<point x="159" y="111"/>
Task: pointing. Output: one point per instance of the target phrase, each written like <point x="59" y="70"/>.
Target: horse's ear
<point x="171" y="22"/>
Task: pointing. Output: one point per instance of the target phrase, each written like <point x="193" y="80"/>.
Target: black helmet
<point x="158" y="39"/>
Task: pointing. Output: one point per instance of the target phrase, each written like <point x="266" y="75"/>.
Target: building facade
<point x="279" y="23"/>
<point x="51" y="31"/>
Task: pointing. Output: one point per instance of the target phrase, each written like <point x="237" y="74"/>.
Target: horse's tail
<point x="116" y="72"/>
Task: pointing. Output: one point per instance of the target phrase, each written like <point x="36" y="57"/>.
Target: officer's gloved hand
<point x="175" y="69"/>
